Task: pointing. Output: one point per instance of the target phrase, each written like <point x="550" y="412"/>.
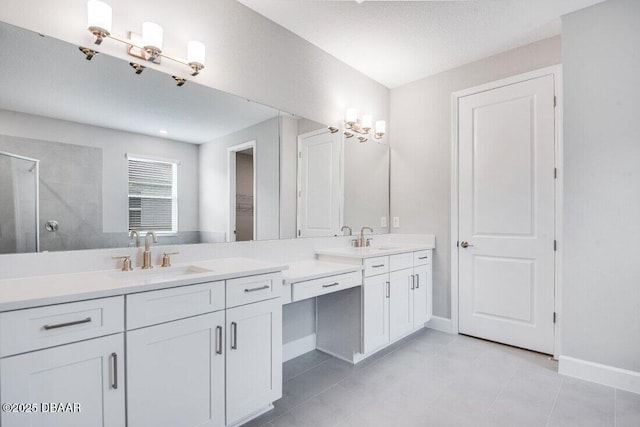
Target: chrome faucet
<point x="346" y="227"/>
<point x="133" y="234"/>
<point x="146" y="256"/>
<point x="361" y="242"/>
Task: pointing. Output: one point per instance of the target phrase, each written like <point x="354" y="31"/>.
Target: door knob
<point x="465" y="245"/>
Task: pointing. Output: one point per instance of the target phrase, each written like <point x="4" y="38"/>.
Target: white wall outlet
<point x="383" y="222"/>
<point x="396" y="222"/>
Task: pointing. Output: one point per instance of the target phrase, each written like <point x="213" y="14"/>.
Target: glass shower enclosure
<point x="19" y="203"/>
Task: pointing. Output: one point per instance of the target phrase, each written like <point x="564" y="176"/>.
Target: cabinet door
<point x="89" y="373"/>
<point x="375" y="308"/>
<point x="175" y="373"/>
<point x="400" y="303"/>
<point x="254" y="358"/>
<point x="420" y="296"/>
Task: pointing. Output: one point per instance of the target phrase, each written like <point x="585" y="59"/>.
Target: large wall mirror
<point x="91" y="152"/>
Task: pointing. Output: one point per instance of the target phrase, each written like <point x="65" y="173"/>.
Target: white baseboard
<point x="298" y="347"/>
<point x="440" y="324"/>
<point x="601" y="374"/>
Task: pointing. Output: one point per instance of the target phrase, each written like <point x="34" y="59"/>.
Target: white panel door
<point x="319" y="184"/>
<point x="177" y="368"/>
<point x="254" y="358"/>
<point x="89" y="373"/>
<point x="400" y="303"/>
<point x="506" y="214"/>
<point x="375" y="310"/>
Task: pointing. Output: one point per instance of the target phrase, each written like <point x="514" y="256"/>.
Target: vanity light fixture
<point x="363" y="126"/>
<point x="147" y="46"/>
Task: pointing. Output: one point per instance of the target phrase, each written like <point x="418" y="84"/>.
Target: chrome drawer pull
<point x="114" y="371"/>
<point x="218" y="339"/>
<point x="333" y="284"/>
<point x="234" y="336"/>
<point x="257" y="289"/>
<point x="377" y="266"/>
<point x="423" y="257"/>
<point x="63" y="325"/>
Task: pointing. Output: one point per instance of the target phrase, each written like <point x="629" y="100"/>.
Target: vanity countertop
<point x="374" y="251"/>
<point x="29" y="292"/>
<point x="313" y="269"/>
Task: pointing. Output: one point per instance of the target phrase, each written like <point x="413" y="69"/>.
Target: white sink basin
<point x="158" y="274"/>
<point x="384" y="248"/>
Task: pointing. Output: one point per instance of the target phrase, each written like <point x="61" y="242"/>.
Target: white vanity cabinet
<point x="201" y="353"/>
<point x="52" y="365"/>
<point x="176" y="373"/>
<point x="408" y="296"/>
<point x="396" y="300"/>
<point x="254" y="358"/>
<point x="212" y="369"/>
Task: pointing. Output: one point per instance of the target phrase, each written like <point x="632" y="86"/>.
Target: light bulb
<point x="99" y="19"/>
<point x="195" y="52"/>
<point x="152" y="36"/>
<point x="367" y="121"/>
<point x="351" y="116"/>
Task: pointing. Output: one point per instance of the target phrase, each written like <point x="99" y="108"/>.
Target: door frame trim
<point x="231" y="188"/>
<point x="556" y="72"/>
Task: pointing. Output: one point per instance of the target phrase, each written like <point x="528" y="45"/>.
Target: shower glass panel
<point x="19" y="194"/>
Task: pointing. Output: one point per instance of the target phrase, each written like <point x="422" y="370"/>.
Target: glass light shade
<point x="381" y="126"/>
<point x="351" y="115"/>
<point x="195" y="52"/>
<point x="152" y="36"/>
<point x="367" y="121"/>
<point x="99" y="16"/>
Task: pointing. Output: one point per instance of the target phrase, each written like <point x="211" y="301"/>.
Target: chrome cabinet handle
<point x="388" y="289"/>
<point x="413" y="281"/>
<point x="377" y="266"/>
<point x="234" y="336"/>
<point x="465" y="245"/>
<point x="64" y="325"/>
<point x="114" y="371"/>
<point x="218" y="339"/>
<point x="333" y="284"/>
<point x="423" y="257"/>
<point x="257" y="289"/>
<point x="417" y="281"/>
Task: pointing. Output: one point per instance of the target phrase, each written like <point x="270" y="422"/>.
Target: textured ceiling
<point x="397" y="42"/>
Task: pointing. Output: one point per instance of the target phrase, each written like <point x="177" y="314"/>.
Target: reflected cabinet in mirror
<point x="93" y="155"/>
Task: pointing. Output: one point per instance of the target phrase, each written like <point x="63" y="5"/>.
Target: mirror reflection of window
<point x="153" y="195"/>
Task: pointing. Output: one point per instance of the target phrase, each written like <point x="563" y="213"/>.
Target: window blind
<point x="152" y="195"/>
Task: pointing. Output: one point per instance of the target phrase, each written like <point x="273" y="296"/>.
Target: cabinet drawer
<point x="325" y="285"/>
<point x="246" y="290"/>
<point x="422" y="257"/>
<point x="153" y="307"/>
<point x="401" y="261"/>
<point x="41" y="327"/>
<point x="378" y="265"/>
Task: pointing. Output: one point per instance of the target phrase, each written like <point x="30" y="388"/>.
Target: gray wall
<point x="600" y="315"/>
<point x="214" y="184"/>
<point x="421" y="149"/>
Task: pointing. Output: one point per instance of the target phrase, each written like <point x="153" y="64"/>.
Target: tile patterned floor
<point x="437" y="379"/>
